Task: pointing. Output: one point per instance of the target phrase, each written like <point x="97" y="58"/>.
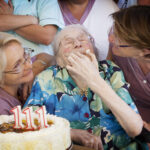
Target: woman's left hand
<point x="6" y="9"/>
<point x="83" y="67"/>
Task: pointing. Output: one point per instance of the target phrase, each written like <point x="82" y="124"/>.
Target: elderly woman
<point x="15" y="70"/>
<point x="95" y="16"/>
<point x="106" y="110"/>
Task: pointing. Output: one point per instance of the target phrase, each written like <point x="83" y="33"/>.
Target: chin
<point x="28" y="77"/>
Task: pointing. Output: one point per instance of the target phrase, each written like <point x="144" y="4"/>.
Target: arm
<point x="49" y="15"/>
<point x="42" y="61"/>
<point x="10" y="21"/>
<point x="38" y="34"/>
<point x="119" y="108"/>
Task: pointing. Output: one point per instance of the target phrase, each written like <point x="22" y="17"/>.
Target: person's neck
<point x="11" y="90"/>
<point x="77" y="2"/>
<point x="77" y="7"/>
<point x="144" y="65"/>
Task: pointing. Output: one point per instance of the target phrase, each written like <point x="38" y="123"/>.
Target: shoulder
<point x="49" y="13"/>
<point x="49" y="74"/>
<point x="50" y="71"/>
<point x="108" y="66"/>
<point x="109" y="5"/>
<point x="4" y="107"/>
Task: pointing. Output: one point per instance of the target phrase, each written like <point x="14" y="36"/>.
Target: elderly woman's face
<point x="73" y="41"/>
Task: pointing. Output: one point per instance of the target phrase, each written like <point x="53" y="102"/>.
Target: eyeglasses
<point x="18" y="67"/>
<point x="123" y="46"/>
<point x="70" y="42"/>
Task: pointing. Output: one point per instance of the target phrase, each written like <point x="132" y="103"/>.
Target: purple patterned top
<point x="69" y="18"/>
<point x="7" y="102"/>
<point x="140" y="84"/>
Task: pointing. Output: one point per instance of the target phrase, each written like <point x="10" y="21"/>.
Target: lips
<point x="27" y="72"/>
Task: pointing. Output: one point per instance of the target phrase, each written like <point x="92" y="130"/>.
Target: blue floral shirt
<point x="55" y="89"/>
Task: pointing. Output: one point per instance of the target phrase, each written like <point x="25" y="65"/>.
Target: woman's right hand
<point x="87" y="139"/>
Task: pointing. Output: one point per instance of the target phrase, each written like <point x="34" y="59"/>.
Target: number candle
<point x="42" y="116"/>
<point x="17" y="117"/>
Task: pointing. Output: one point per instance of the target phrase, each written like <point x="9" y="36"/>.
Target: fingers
<point x="3" y="2"/>
<point x="25" y="92"/>
<point x="10" y="4"/>
<point x="72" y="59"/>
<point x="77" y="58"/>
<point x="100" y="145"/>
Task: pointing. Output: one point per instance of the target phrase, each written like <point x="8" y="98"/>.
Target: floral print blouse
<point x="55" y="89"/>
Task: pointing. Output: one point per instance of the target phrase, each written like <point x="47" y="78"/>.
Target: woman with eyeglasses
<point x="92" y="95"/>
<point x="130" y="41"/>
<point x="15" y="70"/>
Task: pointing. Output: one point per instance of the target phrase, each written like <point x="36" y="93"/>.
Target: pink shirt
<point x="139" y="84"/>
<point x="7" y="102"/>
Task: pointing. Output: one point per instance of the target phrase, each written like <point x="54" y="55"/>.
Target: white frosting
<point x="55" y="137"/>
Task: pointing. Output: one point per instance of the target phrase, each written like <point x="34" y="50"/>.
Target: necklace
<point x="77" y="91"/>
<point x="84" y="92"/>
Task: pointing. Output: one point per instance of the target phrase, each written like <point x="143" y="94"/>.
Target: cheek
<point x="67" y="50"/>
<point x="12" y="80"/>
<point x="117" y="52"/>
<point x="27" y="78"/>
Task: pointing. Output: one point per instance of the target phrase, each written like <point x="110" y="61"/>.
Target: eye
<point x="69" y="41"/>
<point x="16" y="66"/>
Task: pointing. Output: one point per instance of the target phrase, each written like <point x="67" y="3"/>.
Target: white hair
<point x="61" y="34"/>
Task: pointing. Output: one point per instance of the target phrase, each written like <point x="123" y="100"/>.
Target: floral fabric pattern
<point x="55" y="89"/>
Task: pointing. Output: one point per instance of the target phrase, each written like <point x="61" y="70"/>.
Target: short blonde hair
<point x="60" y="35"/>
<point x="5" y="40"/>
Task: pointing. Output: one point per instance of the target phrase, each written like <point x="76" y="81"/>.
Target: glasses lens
<point x="28" y="51"/>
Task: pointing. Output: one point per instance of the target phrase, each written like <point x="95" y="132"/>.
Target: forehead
<point x="73" y="33"/>
<point x="13" y="52"/>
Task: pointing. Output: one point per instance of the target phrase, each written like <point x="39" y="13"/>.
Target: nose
<point x="28" y="65"/>
<point x="77" y="44"/>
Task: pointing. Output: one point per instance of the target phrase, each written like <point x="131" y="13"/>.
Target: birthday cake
<point x="55" y="137"/>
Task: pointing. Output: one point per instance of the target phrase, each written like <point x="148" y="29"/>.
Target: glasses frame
<point x="27" y="58"/>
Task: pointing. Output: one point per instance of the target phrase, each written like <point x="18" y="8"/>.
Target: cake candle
<point x="17" y="117"/>
<point x="42" y="117"/>
<point x="29" y="118"/>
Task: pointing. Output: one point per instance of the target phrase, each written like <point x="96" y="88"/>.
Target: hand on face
<point x="65" y="52"/>
<point x="6" y="9"/>
<point x="83" y="67"/>
<point x="87" y="139"/>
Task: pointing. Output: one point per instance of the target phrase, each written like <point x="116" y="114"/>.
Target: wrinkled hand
<point x="83" y="67"/>
<point x="6" y="9"/>
<point x="27" y="90"/>
<point x="87" y="139"/>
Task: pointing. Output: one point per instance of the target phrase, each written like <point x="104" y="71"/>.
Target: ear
<point x="111" y="37"/>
